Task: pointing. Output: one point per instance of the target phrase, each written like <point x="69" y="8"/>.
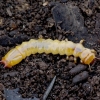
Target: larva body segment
<point x="47" y="46"/>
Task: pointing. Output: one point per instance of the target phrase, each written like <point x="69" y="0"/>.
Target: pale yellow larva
<point x="47" y="46"/>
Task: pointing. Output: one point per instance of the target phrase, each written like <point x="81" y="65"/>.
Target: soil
<point x="21" y="20"/>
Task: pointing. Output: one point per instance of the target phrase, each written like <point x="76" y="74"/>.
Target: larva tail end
<point x="4" y="63"/>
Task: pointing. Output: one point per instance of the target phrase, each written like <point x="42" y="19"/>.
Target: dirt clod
<point x="80" y="77"/>
<point x="77" y="69"/>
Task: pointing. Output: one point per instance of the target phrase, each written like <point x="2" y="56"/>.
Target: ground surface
<point x="22" y="20"/>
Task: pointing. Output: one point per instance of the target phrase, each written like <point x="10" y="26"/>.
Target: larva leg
<point x="81" y="61"/>
<point x="40" y="37"/>
<point x="75" y="60"/>
<point x="93" y="51"/>
<point x="66" y="40"/>
<point x="90" y="68"/>
<point x="67" y="58"/>
<point x="81" y="42"/>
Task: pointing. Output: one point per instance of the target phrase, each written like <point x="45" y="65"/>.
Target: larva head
<point x="12" y="58"/>
<point x="87" y="56"/>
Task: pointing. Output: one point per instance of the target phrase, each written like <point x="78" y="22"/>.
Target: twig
<point x="49" y="89"/>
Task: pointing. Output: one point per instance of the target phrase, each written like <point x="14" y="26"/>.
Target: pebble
<point x="77" y="69"/>
<point x="80" y="77"/>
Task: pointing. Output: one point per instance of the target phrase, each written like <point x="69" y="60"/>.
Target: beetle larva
<point x="47" y="46"/>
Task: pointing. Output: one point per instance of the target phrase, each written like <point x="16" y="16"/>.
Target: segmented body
<point x="47" y="46"/>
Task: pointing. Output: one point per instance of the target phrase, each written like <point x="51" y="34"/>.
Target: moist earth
<point x="22" y="20"/>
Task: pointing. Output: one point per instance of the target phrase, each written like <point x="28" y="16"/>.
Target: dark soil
<point x="21" y="20"/>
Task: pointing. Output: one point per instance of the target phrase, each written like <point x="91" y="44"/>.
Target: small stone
<point x="63" y="1"/>
<point x="45" y="3"/>
<point x="9" y="11"/>
<point x="12" y="33"/>
<point x="77" y="69"/>
<point x="95" y="80"/>
<point x="13" y="25"/>
<point x="87" y="87"/>
<point x="80" y="77"/>
<point x="42" y="65"/>
<point x="1" y="87"/>
<point x="71" y="98"/>
<point x="1" y="21"/>
<point x="98" y="94"/>
<point x="11" y="74"/>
